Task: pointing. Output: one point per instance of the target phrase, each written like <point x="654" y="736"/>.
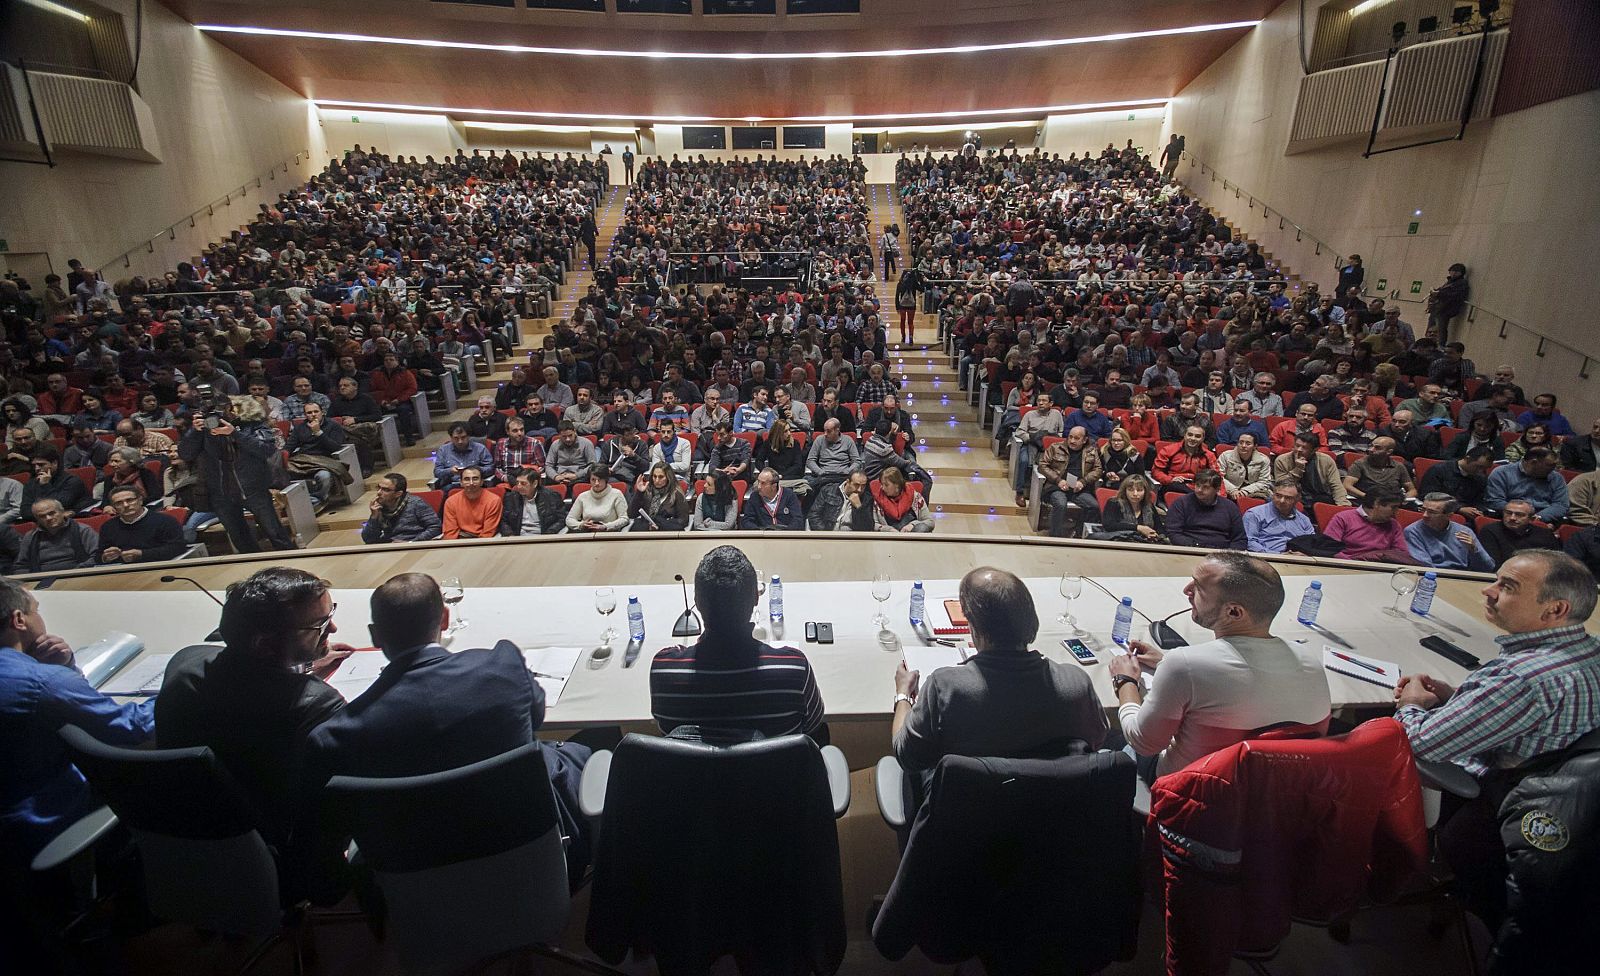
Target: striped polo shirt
<point x="748" y="685"/>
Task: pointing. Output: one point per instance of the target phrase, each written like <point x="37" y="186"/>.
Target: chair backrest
<point x="707" y="850"/>
<point x="435" y="499"/>
<point x="495" y="880"/>
<point x="1322" y="513"/>
<point x="1000" y="844"/>
<point x="1274" y="829"/>
<point x="203" y="860"/>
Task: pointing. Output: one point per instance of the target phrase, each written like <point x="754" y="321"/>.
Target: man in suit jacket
<point x="432" y="710"/>
<point x="772" y="506"/>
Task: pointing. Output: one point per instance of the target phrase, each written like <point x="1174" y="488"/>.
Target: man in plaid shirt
<point x="1540" y="695"/>
<point x="874" y="388"/>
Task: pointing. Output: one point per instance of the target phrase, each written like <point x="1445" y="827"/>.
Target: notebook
<point x="958" y="619"/>
<point x="929" y="659"/>
<point x="1368" y="669"/>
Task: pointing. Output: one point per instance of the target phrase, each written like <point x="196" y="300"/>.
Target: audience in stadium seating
<point x="599" y="507"/>
<point x="771" y="507"/>
<point x="474" y="511"/>
<point x="137" y="534"/>
<point x="1203" y="518"/>
<point x="398" y="516"/>
<point x="1370" y="531"/>
<point x="1515" y="531"/>
<point x="1534" y="478"/>
<point x="1270" y="527"/>
<point x="1438" y="541"/>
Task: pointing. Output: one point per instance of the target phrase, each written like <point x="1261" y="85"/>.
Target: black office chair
<point x="471" y="862"/>
<point x="202" y="859"/>
<point x="1029" y="865"/>
<point x="712" y="847"/>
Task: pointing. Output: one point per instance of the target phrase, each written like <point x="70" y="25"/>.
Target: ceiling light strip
<point x="724" y="55"/>
<point x="612" y="117"/>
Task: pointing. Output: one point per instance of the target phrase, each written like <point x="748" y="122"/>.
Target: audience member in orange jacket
<point x="474" y="511"/>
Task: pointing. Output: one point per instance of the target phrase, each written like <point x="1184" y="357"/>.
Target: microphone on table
<point x="1164" y="636"/>
<point x="688" y="623"/>
<point x="215" y="634"/>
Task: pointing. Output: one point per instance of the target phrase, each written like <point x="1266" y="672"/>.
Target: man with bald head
<point x="1411" y="440"/>
<point x="1008" y="701"/>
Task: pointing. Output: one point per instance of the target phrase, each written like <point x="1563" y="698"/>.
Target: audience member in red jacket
<point x="1304" y="422"/>
<point x="393" y="386"/>
<point x="1177" y="464"/>
<point x="60" y="398"/>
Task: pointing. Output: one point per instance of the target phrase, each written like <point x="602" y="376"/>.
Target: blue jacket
<point x="790" y="516"/>
<point x="1228" y="432"/>
<point x="475" y="456"/>
<point x="1100" y="425"/>
<point x="1548" y="495"/>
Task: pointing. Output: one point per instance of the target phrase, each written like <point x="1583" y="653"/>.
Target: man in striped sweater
<point x="728" y="680"/>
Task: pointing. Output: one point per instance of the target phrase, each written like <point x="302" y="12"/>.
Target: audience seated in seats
<point x="716" y="507"/>
<point x="727" y="680"/>
<point x="1261" y="398"/>
<point x="1134" y="514"/>
<point x="459" y="453"/>
<point x="517" y="452"/>
<point x="1188" y="415"/>
<point x="1411" y="441"/>
<point x="1268" y="528"/>
<point x="487" y="423"/>
<point x="1179" y="463"/>
<point x="1515" y="531"/>
<point x="1438" y="541"/>
<point x="1202" y="518"/>
<point x="1584" y="546"/>
<point x="1242" y="422"/>
<point x="151" y="445"/>
<point x="125" y="469"/>
<point x="586" y="416"/>
<point x="658" y="503"/>
<point x="1246" y="472"/>
<point x="1537" y="696"/>
<point x="1304" y="424"/>
<point x="856" y="507"/>
<point x="255" y="700"/>
<point x="474" y="511"/>
<point x="1379" y="471"/>
<point x="1008" y="701"/>
<point x="314" y="444"/>
<point x="398" y="516"/>
<point x="1353" y="436"/>
<point x="540" y="421"/>
<point x="85" y="449"/>
<point x="570" y="457"/>
<point x="898" y="506"/>
<point x="51" y="482"/>
<point x="1071" y="471"/>
<point x="530" y="508"/>
<point x="1314" y="471"/>
<point x="1208" y="696"/>
<point x="1466" y="480"/>
<point x="10" y="501"/>
<point x="432" y="710"/>
<point x="770" y="506"/>
<point x="601" y="508"/>
<point x="1044" y="420"/>
<point x="1482" y="434"/>
<point x="1579" y="451"/>
<point x="57" y="541"/>
<point x="41" y="689"/>
<point x="137" y="534"/>
<point x="627" y="455"/>
<point x="1534" y="478"/>
<point x="1583" y="493"/>
<point x="1120" y="459"/>
<point x="1370" y="531"/>
<point x="1534" y="435"/>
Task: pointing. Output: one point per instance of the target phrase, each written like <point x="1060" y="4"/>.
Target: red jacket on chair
<point x="1270" y="830"/>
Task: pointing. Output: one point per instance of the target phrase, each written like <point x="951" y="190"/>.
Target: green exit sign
<point x="1383" y="284"/>
<point x="1412" y="227"/>
<point x="355" y="118"/>
<point x="1416" y="288"/>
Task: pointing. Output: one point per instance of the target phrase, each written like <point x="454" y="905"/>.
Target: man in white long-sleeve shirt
<point x="1209" y="696"/>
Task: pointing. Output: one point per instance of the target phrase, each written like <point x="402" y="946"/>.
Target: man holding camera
<point x="233" y="447"/>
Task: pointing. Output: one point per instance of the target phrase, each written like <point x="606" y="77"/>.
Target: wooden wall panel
<point x="1553" y="52"/>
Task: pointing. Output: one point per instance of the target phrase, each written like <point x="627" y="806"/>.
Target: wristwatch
<point x="1118" y="680"/>
<point x="903" y="697"/>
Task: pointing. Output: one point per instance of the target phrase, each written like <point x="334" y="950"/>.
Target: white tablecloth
<point x="855" y="674"/>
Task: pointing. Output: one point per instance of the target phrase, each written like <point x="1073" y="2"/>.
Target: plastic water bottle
<point x="918" y="604"/>
<point x="1123" y="623"/>
<point x="635" y="619"/>
<point x="1422" y="601"/>
<point x="775" y="600"/>
<point x="1310" y="604"/>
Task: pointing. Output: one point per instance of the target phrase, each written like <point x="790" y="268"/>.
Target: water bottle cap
<point x="1316" y="584"/>
<point x="1127" y="601"/>
<point x="1430" y="575"/>
<point x="633" y="599"/>
<point x="917" y="585"/>
<point x="774" y="577"/>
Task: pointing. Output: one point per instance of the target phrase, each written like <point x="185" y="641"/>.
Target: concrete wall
<point x="1515" y="201"/>
<point x="221" y="123"/>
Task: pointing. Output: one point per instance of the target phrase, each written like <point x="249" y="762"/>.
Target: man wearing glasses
<point x="256" y="699"/>
<point x="397" y="516"/>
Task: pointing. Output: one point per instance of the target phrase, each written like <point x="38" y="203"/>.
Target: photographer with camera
<point x="232" y="445"/>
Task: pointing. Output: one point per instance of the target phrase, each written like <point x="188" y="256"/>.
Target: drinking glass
<point x="882" y="589"/>
<point x="453" y="592"/>
<point x="1071" y="589"/>
<point x="605" y="603"/>
<point x="1403" y="581"/>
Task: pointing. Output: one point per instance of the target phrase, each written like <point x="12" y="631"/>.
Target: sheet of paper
<point x="552" y="668"/>
<point x="357" y="672"/>
<point x="1360" y="667"/>
<point x="928" y="659"/>
<point x="143" y="677"/>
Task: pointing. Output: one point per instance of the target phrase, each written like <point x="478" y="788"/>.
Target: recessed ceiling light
<point x="514" y="113"/>
<point x="723" y="55"/>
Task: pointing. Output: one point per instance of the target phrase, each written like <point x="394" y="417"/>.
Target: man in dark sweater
<point x="1203" y="520"/>
<point x="1516" y="531"/>
<point x="1465" y="480"/>
<point x="58" y="542"/>
<point x="138" y="535"/>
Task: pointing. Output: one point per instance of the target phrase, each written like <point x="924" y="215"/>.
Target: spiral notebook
<point x="1368" y="669"/>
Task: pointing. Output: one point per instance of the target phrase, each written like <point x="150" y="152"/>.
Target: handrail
<point x="1473" y="308"/>
<point x="171" y="230"/>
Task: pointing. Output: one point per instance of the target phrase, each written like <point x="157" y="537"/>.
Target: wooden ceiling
<point x="1140" y="68"/>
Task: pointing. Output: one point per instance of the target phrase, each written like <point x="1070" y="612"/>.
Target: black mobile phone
<point x="1444" y="648"/>
<point x="811" y="631"/>
<point x="824" y="633"/>
<point x="1080" y="650"/>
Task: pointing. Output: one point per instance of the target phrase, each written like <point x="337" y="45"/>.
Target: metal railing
<point x="1284" y="222"/>
<point x="171" y="231"/>
<point x="1474" y="310"/>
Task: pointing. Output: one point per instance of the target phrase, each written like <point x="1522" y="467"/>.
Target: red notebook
<point x="958" y="620"/>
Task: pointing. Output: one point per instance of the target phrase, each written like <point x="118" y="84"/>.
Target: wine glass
<point x="1403" y="581"/>
<point x="605" y="603"/>
<point x="451" y="589"/>
<point x="882" y="589"/>
<point x="1071" y="589"/>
